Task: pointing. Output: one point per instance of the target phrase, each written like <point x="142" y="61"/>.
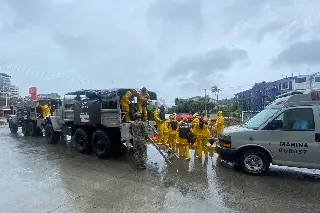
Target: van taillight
<point x="225" y="141"/>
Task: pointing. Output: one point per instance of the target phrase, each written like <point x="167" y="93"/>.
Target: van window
<point x="301" y="80"/>
<point x="260" y="118"/>
<point x="316" y="79"/>
<point x="298" y="119"/>
<point x="285" y="85"/>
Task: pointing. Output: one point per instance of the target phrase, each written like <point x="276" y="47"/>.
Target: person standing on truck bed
<point x="140" y="136"/>
<point x="125" y="103"/>
<point x="143" y="102"/>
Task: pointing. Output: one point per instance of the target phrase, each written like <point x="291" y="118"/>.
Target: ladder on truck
<point x="166" y="158"/>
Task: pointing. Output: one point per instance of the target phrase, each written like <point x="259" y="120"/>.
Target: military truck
<point x="29" y="116"/>
<point x="94" y="120"/>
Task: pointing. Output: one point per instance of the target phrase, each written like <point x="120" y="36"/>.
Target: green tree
<point x="191" y="106"/>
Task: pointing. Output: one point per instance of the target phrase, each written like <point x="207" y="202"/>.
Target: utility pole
<point x="205" y="101"/>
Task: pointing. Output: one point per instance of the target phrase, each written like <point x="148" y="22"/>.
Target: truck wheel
<point x="25" y="128"/>
<point x="52" y="136"/>
<point x="33" y="129"/>
<point x="82" y="141"/>
<point x="13" y="127"/>
<point x="254" y="162"/>
<point x="39" y="132"/>
<point x="101" y="144"/>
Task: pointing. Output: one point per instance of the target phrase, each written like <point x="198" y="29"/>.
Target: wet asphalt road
<point x="37" y="177"/>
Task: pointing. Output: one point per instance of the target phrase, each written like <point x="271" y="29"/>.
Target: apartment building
<point x="263" y="93"/>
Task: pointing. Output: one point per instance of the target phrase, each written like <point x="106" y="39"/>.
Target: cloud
<point x="270" y="28"/>
<point x="300" y="53"/>
<point x="205" y="64"/>
<point x="247" y="12"/>
<point x="171" y="47"/>
<point x="177" y="13"/>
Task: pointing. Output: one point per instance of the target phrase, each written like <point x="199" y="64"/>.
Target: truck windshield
<point x="256" y="121"/>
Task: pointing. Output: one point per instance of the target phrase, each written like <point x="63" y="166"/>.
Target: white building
<point x="303" y="82"/>
<point x="13" y="91"/>
<point x="5" y="82"/>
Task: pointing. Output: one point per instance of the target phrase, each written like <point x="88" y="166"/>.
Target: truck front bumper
<point x="227" y="154"/>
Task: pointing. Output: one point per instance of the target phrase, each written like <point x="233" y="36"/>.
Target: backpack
<point x="184" y="131"/>
<point x="201" y="123"/>
<point x="162" y="115"/>
<point x="174" y="124"/>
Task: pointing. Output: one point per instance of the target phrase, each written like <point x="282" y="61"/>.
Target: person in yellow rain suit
<point x="45" y="110"/>
<point x="143" y="102"/>
<point x="173" y="133"/>
<point x="160" y="117"/>
<point x="194" y="125"/>
<point x="166" y="131"/>
<point x="202" y="133"/>
<point x="219" y="126"/>
<point x="184" y="129"/>
<point x="125" y="103"/>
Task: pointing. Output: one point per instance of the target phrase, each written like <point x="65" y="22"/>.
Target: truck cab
<point x="286" y="133"/>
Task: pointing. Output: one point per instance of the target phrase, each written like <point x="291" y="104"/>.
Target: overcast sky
<point x="173" y="47"/>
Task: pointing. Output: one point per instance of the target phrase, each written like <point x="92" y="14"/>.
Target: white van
<point x="286" y="133"/>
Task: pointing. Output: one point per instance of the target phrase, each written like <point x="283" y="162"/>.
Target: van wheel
<point x="254" y="162"/>
<point x="82" y="141"/>
<point x="101" y="144"/>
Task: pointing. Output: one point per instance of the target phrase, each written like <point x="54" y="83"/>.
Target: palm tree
<point x="215" y="90"/>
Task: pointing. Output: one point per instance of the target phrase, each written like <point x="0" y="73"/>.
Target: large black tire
<point x="39" y="132"/>
<point x="82" y="141"/>
<point x="33" y="129"/>
<point x="25" y="128"/>
<point x="101" y="144"/>
<point x="254" y="162"/>
<point x="53" y="137"/>
<point x="13" y="127"/>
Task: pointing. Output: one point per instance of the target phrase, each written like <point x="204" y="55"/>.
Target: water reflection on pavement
<point x="38" y="177"/>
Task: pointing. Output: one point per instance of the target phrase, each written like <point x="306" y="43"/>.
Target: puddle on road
<point x="197" y="185"/>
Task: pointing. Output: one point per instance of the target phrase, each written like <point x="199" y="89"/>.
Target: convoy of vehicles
<point x="286" y="133"/>
<point x="92" y="117"/>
